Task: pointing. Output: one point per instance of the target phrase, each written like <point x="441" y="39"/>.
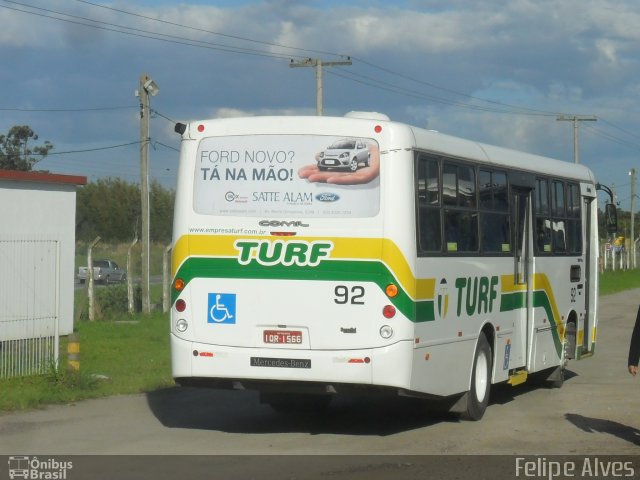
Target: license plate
<point x="291" y="337"/>
<point x="330" y="162"/>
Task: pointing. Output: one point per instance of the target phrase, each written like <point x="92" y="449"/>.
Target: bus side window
<point x="574" y="221"/>
<point x="495" y="232"/>
<point x="459" y="193"/>
<point x="461" y="231"/>
<point x="542" y="217"/>
<point x="428" y="187"/>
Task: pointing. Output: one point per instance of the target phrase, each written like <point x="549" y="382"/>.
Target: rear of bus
<point x="283" y="281"/>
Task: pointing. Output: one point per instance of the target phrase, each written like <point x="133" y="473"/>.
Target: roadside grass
<point x="123" y="354"/>
<point x="618" y="281"/>
<point x="126" y="354"/>
<point x="115" y="358"/>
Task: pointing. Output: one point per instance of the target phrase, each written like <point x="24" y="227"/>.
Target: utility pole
<point x="632" y="174"/>
<point x="147" y="88"/>
<point x="319" y="64"/>
<point x="575" y="119"/>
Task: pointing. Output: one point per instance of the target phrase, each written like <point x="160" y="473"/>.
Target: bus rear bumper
<point x="216" y="366"/>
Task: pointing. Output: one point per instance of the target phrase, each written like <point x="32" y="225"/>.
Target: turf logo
<point x="480" y="294"/>
<point x="443" y="299"/>
<point x="280" y="252"/>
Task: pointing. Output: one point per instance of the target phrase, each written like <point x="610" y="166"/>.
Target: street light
<point x="147" y="88"/>
<point x="151" y="87"/>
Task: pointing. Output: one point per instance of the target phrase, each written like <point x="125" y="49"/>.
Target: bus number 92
<point x="343" y="295"/>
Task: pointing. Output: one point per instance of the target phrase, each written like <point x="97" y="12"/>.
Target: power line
<point x="366" y="80"/>
<point x="87" y="149"/>
<point x="635" y="135"/>
<point x="166" y="146"/>
<point x="235" y="37"/>
<point x="500" y="104"/>
<point x="455" y="92"/>
<point x="57" y="110"/>
<point x="230" y="49"/>
<point x="227" y="48"/>
<point x="142" y="33"/>
<point x="611" y="138"/>
<point x="499" y="107"/>
<point x="156" y="112"/>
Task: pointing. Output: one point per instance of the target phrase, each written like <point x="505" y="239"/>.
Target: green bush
<point x="114" y="301"/>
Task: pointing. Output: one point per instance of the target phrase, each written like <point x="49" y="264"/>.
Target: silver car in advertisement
<point x="347" y="153"/>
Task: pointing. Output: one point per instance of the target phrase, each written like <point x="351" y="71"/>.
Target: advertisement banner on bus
<point x="300" y="175"/>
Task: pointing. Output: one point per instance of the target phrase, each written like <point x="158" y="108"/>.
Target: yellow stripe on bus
<point x="540" y="282"/>
<point x="343" y="249"/>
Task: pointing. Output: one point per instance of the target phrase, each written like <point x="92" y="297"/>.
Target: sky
<point x="494" y="71"/>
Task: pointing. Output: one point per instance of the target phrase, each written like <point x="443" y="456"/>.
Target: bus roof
<point x="440" y="143"/>
<point x="422" y="139"/>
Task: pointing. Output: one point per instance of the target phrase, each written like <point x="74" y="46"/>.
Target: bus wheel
<point x="478" y="396"/>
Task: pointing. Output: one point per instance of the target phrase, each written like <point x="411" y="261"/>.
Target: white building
<point x="37" y="253"/>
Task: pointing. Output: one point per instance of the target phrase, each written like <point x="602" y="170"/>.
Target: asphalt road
<point x="596" y="412"/>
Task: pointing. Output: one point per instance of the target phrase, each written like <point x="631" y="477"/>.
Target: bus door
<point x="581" y="288"/>
<point x="521" y="187"/>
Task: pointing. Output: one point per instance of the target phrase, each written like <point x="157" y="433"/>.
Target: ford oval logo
<point x="327" y="197"/>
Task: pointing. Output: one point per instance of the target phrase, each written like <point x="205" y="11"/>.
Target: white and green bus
<point x="314" y="256"/>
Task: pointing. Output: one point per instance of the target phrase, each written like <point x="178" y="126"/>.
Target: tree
<point x="161" y="212"/>
<point x="110" y="207"/>
<point x="15" y="152"/>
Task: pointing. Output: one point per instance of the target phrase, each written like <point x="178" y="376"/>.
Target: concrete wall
<point x="37" y="249"/>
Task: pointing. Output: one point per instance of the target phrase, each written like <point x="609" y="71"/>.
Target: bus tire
<point x="478" y="395"/>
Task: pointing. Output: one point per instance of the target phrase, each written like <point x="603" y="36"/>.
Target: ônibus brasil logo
<point x="269" y="253"/>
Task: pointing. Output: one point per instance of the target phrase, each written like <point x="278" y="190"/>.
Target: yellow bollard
<point x="73" y="352"/>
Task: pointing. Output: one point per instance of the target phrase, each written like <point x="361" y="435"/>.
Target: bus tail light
<point x="391" y="290"/>
<point x="182" y="325"/>
<point x="389" y="311"/>
<point x="386" y="332"/>
<point x="181" y="305"/>
<point x="179" y="284"/>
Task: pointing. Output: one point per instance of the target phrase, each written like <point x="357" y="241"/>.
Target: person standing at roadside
<point x="634" y="348"/>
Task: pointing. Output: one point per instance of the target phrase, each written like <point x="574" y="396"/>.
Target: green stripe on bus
<point x="518" y="300"/>
<point x="337" y="271"/>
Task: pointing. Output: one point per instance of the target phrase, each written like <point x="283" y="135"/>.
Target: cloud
<point x="416" y="60"/>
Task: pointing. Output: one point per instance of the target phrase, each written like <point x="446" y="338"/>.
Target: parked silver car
<point x="349" y="153"/>
<point x="105" y="271"/>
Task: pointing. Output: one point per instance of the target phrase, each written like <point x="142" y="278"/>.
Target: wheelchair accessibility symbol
<point x="222" y="308"/>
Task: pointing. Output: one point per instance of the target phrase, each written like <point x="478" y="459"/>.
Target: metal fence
<point x="619" y="258"/>
<point x="29" y="306"/>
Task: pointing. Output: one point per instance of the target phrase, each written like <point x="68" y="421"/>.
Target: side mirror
<point x="611" y="218"/>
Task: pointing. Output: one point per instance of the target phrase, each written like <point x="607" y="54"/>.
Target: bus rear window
<point x="278" y="175"/>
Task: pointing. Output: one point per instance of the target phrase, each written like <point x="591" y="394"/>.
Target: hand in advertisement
<point x="361" y="176"/>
